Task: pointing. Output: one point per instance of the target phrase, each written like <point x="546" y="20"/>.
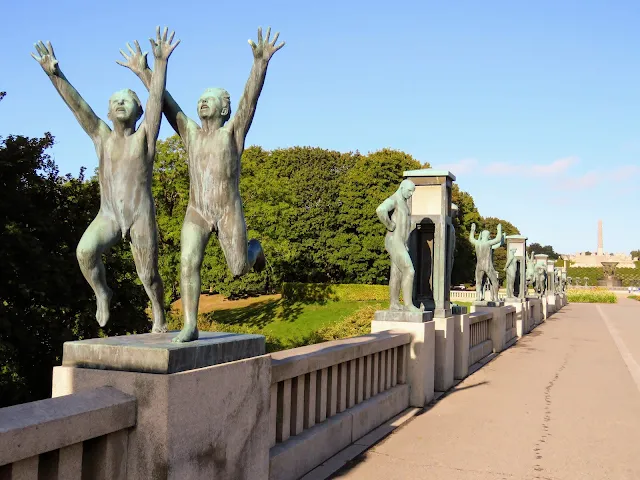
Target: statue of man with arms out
<point x="124" y="170"/>
<point x="484" y="260"/>
<point x="394" y="214"/>
<point x="214" y="151"/>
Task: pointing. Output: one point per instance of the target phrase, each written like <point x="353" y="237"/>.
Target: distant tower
<point x="600" y="249"/>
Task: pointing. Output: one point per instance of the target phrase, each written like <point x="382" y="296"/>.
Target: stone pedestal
<point x="444" y="353"/>
<point x="544" y="307"/>
<point x="207" y="421"/>
<point x="551" y="304"/>
<point x="498" y="323"/>
<point x="461" y="344"/>
<point x="432" y="242"/>
<point x="421" y="368"/>
<point x="535" y="311"/>
<point x="522" y="313"/>
<point x="519" y="243"/>
<point x="402" y="317"/>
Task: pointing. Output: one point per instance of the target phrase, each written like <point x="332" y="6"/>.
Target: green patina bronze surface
<point x="484" y="261"/>
<point x="394" y="214"/>
<point x="214" y="151"/>
<point x="125" y="166"/>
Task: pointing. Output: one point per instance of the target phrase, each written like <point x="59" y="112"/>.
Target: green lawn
<point x="285" y="323"/>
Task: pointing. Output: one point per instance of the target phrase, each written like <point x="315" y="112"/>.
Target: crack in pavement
<point x="538" y="447"/>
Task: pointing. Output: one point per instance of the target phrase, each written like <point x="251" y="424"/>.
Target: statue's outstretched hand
<point x="136" y="61"/>
<point x="162" y="47"/>
<point x="47" y="58"/>
<point x="265" y="48"/>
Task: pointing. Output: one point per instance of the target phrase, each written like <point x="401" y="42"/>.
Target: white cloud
<point x="588" y="180"/>
<point x="537" y="169"/>
<point x="466" y="165"/>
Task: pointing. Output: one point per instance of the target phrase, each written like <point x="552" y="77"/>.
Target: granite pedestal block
<point x="444" y="353"/>
<point x="522" y="312"/>
<point x="211" y="421"/>
<point x="155" y="353"/>
<point x="488" y="303"/>
<point x="402" y="316"/>
<point x="421" y="368"/>
<point x="462" y="339"/>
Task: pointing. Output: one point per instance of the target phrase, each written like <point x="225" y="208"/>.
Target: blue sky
<point x="534" y="106"/>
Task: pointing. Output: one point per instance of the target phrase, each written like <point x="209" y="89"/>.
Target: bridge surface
<point x="563" y="403"/>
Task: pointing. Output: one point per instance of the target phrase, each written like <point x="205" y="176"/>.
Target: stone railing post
<point x="421" y="368"/>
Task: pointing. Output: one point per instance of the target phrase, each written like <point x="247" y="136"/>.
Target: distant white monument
<point x="595" y="260"/>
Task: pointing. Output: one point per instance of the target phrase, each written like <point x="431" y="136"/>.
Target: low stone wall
<point x="462" y="295"/>
<point x="326" y="396"/>
<point x="272" y="416"/>
<point x="510" y="330"/>
<point x="82" y="435"/>
<point x="480" y="344"/>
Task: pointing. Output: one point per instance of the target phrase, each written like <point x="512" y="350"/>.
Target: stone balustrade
<point x="510" y="330"/>
<point x="274" y="416"/>
<point x="326" y="396"/>
<point x="480" y="344"/>
<point x="462" y="295"/>
<point x="83" y="435"/>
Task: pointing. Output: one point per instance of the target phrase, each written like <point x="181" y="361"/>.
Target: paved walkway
<point x="563" y="403"/>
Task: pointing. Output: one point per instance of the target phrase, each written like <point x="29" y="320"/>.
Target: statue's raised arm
<point x="262" y="53"/>
<point x="87" y="118"/>
<point x="162" y="50"/>
<point x="136" y="61"/>
<point x="472" y="234"/>
<point x="499" y="239"/>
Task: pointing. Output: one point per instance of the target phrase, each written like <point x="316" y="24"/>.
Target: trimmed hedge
<point x="314" y="292"/>
<point x="630" y="277"/>
<point x="591" y="296"/>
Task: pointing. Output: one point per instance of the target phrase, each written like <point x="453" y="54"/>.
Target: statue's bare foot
<point x="159" y="328"/>
<point x="395" y="306"/>
<point x="411" y="308"/>
<point x="256" y="251"/>
<point x="102" y="307"/>
<point x="187" y="334"/>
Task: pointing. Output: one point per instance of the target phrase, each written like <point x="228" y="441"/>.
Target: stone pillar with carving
<point x="430" y="247"/>
<point x="430" y="243"/>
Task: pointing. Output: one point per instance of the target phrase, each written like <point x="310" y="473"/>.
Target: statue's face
<point x="123" y="107"/>
<point x="407" y="191"/>
<point x="211" y="106"/>
<point x="485" y="235"/>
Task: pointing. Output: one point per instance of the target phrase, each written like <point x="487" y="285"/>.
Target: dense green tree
<point x="44" y="299"/>
<point x="465" y="255"/>
<point x="171" y="194"/>
<point x="500" y="254"/>
<point x="635" y="253"/>
<point x="547" y="249"/>
<point x="357" y="245"/>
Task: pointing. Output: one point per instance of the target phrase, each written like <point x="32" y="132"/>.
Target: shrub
<point x="358" y="323"/>
<point x="634" y="297"/>
<point x="314" y="292"/>
<point x="591" y="296"/>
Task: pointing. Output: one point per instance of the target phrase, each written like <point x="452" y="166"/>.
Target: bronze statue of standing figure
<point x="484" y="261"/>
<point x="214" y="152"/>
<point x="395" y="215"/>
<point x="125" y="168"/>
